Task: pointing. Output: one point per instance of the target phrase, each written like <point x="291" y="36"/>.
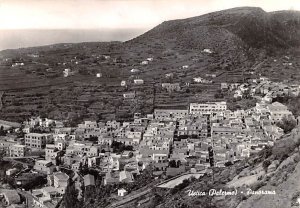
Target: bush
<point x="266" y="164"/>
<point x="181" y="186"/>
<point x="283" y="148"/>
<point x="257" y="185"/>
<point x="266" y="152"/>
<point x="229" y="163"/>
<point x="287" y="124"/>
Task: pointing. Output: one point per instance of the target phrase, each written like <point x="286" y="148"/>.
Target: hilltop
<point x="248" y="27"/>
<point x="233" y="44"/>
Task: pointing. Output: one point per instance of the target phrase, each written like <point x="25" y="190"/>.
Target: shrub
<point x="257" y="185"/>
<point x="180" y="186"/>
<point x="282" y="149"/>
<point x="229" y="163"/>
<point x="266" y="164"/>
<point x="287" y="124"/>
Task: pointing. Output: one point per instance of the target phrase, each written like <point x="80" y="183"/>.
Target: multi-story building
<point x="217" y="131"/>
<point x="60" y="136"/>
<point x="60" y="181"/>
<point x="5" y="146"/>
<point x="52" y="153"/>
<point x="208" y="108"/>
<point x="278" y="111"/>
<point x="88" y="149"/>
<point x="44" y="166"/>
<point x="193" y="127"/>
<point x="60" y="144"/>
<point x="18" y="150"/>
<point x="35" y="140"/>
<point x="159" y="158"/>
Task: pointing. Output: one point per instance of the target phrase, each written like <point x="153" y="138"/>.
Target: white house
<point x="67" y="72"/>
<point x="206" y="50"/>
<point x="171" y="86"/>
<point x="224" y="86"/>
<point x="149" y="59"/>
<point x="278" y="111"/>
<point x="211" y="75"/>
<point x="123" y="83"/>
<point x="134" y="70"/>
<point x="138" y="81"/>
<point x="17" y="64"/>
<point x="238" y="94"/>
<point x="129" y="95"/>
<point x="198" y="79"/>
<point x="201" y="80"/>
<point x="159" y="158"/>
<point x="169" y="75"/>
<point x="60" y="181"/>
<point x="106" y="57"/>
<point x="144" y="62"/>
<point x="12" y="171"/>
<point x="122" y="192"/>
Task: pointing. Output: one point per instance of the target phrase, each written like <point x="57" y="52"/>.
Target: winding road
<point x="170" y="183"/>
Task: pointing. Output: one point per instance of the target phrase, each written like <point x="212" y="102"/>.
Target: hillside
<point x="229" y="29"/>
<point x="241" y="43"/>
<point x="280" y="176"/>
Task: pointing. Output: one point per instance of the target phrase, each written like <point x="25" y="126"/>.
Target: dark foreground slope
<point x="281" y="179"/>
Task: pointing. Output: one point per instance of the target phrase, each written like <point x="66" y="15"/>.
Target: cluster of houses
<point x="184" y="136"/>
<point x="262" y="88"/>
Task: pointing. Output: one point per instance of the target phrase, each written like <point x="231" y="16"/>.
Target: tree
<point x="266" y="152"/>
<point x="219" y="94"/>
<point x="178" y="163"/>
<point x="287" y="124"/>
<point x="180" y="186"/>
<point x="2" y="131"/>
<point x="130" y="154"/>
<point x="228" y="163"/>
<point x="266" y="164"/>
<point x="92" y="139"/>
<point x="155" y="200"/>
<point x="172" y="164"/>
<point x="283" y="148"/>
<point x="2" y="154"/>
<point x="70" y="198"/>
<point x="211" y="156"/>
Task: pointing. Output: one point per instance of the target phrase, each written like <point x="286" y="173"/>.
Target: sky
<point x="121" y="14"/>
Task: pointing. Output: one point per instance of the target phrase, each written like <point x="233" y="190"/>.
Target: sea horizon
<point x="23" y="38"/>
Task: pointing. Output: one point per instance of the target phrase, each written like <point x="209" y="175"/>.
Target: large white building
<point x="208" y="108"/>
<point x="278" y="111"/>
<point x="36" y="140"/>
